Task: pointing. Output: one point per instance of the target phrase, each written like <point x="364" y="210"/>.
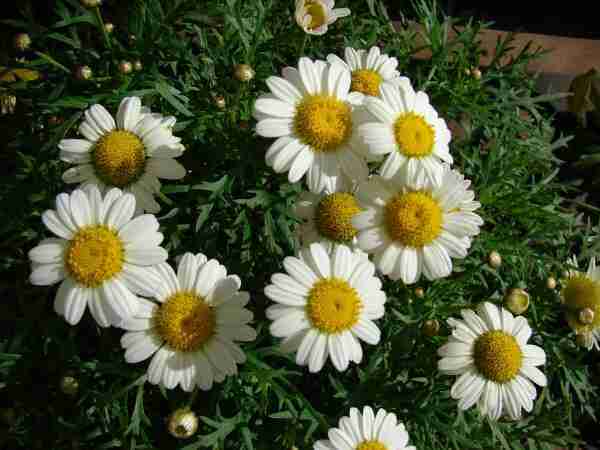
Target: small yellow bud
<point x="220" y="102"/>
<point x="431" y="328"/>
<point x="91" y="3"/>
<point x="137" y="65"/>
<point x="183" y="423"/>
<point x="22" y="41"/>
<point x="419" y="292"/>
<point x="69" y="385"/>
<point x="243" y="72"/>
<point x="83" y="73"/>
<point x="551" y="283"/>
<point x="586" y="316"/>
<point x="494" y="259"/>
<point x="517" y="301"/>
<point x="125" y="67"/>
<point x="109" y="27"/>
<point x="476" y="73"/>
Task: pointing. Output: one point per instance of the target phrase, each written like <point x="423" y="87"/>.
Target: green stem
<point x="101" y="25"/>
<point x="52" y="61"/>
<point x="303" y="45"/>
<point x="192" y="397"/>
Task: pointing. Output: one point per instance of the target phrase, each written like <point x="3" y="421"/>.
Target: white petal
<point x="128" y="114"/>
<point x="318" y="354"/>
<point x="47" y="274"/>
<point x="166" y="168"/>
<point x="283" y="89"/>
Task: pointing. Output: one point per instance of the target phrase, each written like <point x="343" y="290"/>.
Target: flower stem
<point x="303" y="45"/>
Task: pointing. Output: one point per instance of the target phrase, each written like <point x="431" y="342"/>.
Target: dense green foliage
<point x="233" y="207"/>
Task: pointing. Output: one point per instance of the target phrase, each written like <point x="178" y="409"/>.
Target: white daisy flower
<point x="327" y="217"/>
<point x="367" y="431"/>
<point x="314" y="16"/>
<point x="193" y="328"/>
<point x="416" y="229"/>
<point x="131" y="153"/>
<point x="406" y="128"/>
<point x="326" y="303"/>
<point x="495" y="365"/>
<point x="310" y="112"/>
<point x="580" y="295"/>
<point x="101" y="255"/>
<point x="368" y="70"/>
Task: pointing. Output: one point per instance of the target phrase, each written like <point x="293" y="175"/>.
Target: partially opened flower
<point x="406" y="128"/>
<point x="367" y="431"/>
<point x="102" y="255"/>
<point x="310" y="113"/>
<point x="314" y="16"/>
<point x="326" y="304"/>
<point x="488" y="351"/>
<point x="327" y="217"/>
<point x="369" y="69"/>
<point x="580" y="295"/>
<point x="193" y="327"/>
<point x="131" y="153"/>
<point x="415" y="229"/>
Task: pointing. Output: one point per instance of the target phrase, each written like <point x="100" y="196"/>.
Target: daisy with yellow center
<point x="367" y="431"/>
<point x="192" y="329"/>
<point x="488" y="351"/>
<point x="130" y="154"/>
<point x="326" y="304"/>
<point x="102" y="255"/>
<point x="580" y="295"/>
<point x="310" y="113"/>
<point x="415" y="229"/>
<point x="327" y="218"/>
<point x="406" y="128"/>
<point x="369" y="70"/>
<point x="314" y="16"/>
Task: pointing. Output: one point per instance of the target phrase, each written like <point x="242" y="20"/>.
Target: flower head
<point x="488" y="351"/>
<point x="314" y="16"/>
<point x="580" y="295"/>
<point x="369" y="70"/>
<point x="102" y="255"/>
<point x="310" y="111"/>
<point x="367" y="431"/>
<point x="415" y="229"/>
<point x="407" y="128"/>
<point x="326" y="303"/>
<point x="192" y="327"/>
<point x="131" y="153"/>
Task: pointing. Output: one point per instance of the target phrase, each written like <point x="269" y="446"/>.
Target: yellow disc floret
<point x="333" y="216"/>
<point x="323" y="122"/>
<point x="333" y="305"/>
<point x="579" y="294"/>
<point x="371" y="445"/>
<point x="414" y="136"/>
<point x="119" y="158"/>
<point x="366" y="81"/>
<point x="185" y="322"/>
<point x="497" y="356"/>
<point x="317" y="14"/>
<point x="94" y="255"/>
<point x="414" y="219"/>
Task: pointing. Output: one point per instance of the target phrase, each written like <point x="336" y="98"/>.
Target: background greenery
<point x="232" y="207"/>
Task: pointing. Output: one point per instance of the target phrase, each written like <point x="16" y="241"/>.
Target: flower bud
<point x="183" y="423"/>
<point x="494" y="259"/>
<point x="83" y="73"/>
<point x="586" y="316"/>
<point x="517" y="301"/>
<point x="243" y="72"/>
<point x="431" y="328"/>
<point x="125" y="67"/>
<point x="69" y="385"/>
<point x="551" y="283"/>
<point x="22" y="41"/>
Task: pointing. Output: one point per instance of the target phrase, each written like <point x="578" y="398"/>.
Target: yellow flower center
<point x="119" y="158"/>
<point x="414" y="135"/>
<point x="366" y="81"/>
<point x="323" y="122"/>
<point x="371" y="445"/>
<point x="317" y="14"/>
<point x="333" y="305"/>
<point x="413" y="219"/>
<point x="497" y="356"/>
<point x="334" y="216"/>
<point x="580" y="293"/>
<point x="95" y="254"/>
<point x="185" y="322"/>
